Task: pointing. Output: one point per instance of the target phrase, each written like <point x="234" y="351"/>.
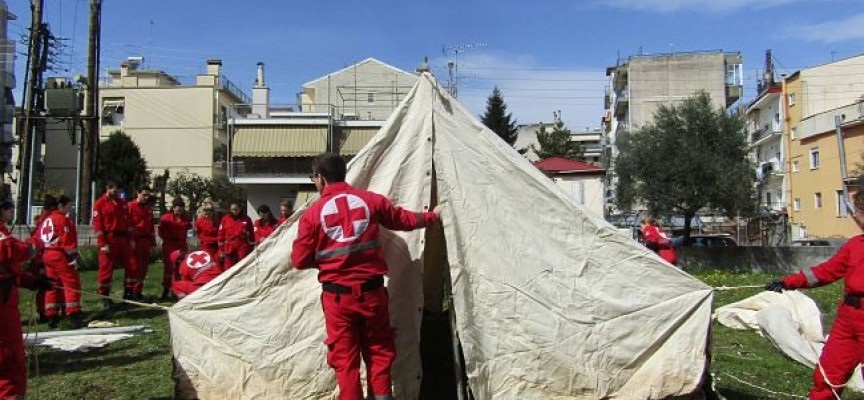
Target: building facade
<point x="639" y="84"/>
<point x="583" y="182"/>
<point x="272" y="148"/>
<point x="592" y="141"/>
<point x="766" y="118"/>
<point x="815" y="100"/>
<point x="7" y="112"/>
<point x="177" y="126"/>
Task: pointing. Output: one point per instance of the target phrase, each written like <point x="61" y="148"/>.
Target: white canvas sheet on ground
<point x="791" y="321"/>
<point x="551" y="302"/>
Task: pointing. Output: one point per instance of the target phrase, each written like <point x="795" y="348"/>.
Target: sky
<point x="544" y="56"/>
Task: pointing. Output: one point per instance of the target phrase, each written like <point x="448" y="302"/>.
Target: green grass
<point x="140" y="368"/>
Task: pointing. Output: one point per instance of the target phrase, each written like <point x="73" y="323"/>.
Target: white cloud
<point x="531" y="90"/>
<point x="831" y="31"/>
<point x="664" y="6"/>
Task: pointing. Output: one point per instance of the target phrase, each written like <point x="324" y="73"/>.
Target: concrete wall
<point x="779" y="260"/>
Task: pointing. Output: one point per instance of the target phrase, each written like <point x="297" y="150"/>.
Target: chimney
<point x="214" y="67"/>
<point x="260" y="95"/>
<point x="260" y="81"/>
<point x="124" y="69"/>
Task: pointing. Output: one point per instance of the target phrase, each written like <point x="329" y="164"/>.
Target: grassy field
<point x="140" y="368"/>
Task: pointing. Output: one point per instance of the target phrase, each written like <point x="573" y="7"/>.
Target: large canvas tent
<point x="550" y="301"/>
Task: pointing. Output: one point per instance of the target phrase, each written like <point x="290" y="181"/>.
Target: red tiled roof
<point x="560" y="165"/>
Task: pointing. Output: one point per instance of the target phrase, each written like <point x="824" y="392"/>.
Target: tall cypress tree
<point x="497" y="119"/>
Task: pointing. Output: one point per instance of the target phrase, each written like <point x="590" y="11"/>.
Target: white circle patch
<point x="345" y="217"/>
<point x="198" y="259"/>
<point x="46" y="231"/>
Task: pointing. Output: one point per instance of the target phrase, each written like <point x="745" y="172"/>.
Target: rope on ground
<point x="137" y="303"/>
<point x="724" y="288"/>
<point x="794" y="396"/>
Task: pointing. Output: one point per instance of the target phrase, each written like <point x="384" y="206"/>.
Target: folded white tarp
<point x="83" y="339"/>
<point x="551" y="302"/>
<point x="791" y="321"/>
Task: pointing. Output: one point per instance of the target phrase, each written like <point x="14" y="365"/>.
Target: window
<point x="842" y="211"/>
<point x="795" y="167"/>
<point x="579" y="192"/>
<point x="814" y="158"/>
<point x="793" y="133"/>
<point x="370" y="98"/>
<point x="796" y="204"/>
<point x="768" y="199"/>
<point x="817" y="200"/>
<point x="791" y="98"/>
<point x="112" y="111"/>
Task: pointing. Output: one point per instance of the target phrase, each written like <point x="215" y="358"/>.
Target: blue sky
<point x="543" y="55"/>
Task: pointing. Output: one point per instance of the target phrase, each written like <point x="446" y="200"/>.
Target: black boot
<point x="107" y="304"/>
<point x="128" y="295"/>
<point x="53" y="322"/>
<point x="77" y="320"/>
<point x="165" y="293"/>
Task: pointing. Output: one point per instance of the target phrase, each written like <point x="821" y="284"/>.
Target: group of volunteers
<point x="339" y="235"/>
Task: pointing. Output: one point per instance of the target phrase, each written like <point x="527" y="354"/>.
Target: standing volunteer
<point x="844" y="349"/>
<point x="339" y="235"/>
<point x="60" y="256"/>
<point x="207" y="227"/>
<point x="236" y="237"/>
<point x="113" y="228"/>
<point x="265" y="224"/>
<point x="173" y="228"/>
<point x="143" y="233"/>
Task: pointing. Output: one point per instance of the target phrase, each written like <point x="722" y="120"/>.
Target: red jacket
<point x="208" y="229"/>
<point x="199" y="267"/>
<point x="847" y="263"/>
<point x="264" y="229"/>
<point x="173" y="229"/>
<point x="13" y="252"/>
<point x="58" y="232"/>
<point x="110" y="218"/>
<point x="340" y="234"/>
<point x="235" y="232"/>
<point x="142" y="221"/>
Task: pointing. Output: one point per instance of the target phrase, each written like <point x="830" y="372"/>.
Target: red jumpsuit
<point x="143" y="233"/>
<point x="198" y="268"/>
<point x="845" y="346"/>
<point x="656" y="239"/>
<point x="340" y="235"/>
<point x="208" y="234"/>
<point x="13" y="372"/>
<point x="263" y="229"/>
<point x="236" y="238"/>
<point x="60" y="240"/>
<point x="172" y="230"/>
<point x="37" y="267"/>
<point x="113" y="227"/>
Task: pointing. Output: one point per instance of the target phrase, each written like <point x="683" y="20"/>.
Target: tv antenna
<point x="453" y="64"/>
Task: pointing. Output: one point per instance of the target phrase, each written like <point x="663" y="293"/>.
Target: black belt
<point x="367" y="286"/>
<point x="852" y="300"/>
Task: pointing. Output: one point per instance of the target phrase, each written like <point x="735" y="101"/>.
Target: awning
<point x="355" y="138"/>
<point x="279" y="141"/>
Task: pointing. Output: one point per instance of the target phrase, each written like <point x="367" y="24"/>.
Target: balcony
<point x="733" y="93"/>
<point x="764" y="132"/>
<point x="622" y="103"/>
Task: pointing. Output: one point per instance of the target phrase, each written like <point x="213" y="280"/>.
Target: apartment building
<point x="639" y="84"/>
<point x="272" y="148"/>
<point x="765" y="118"/>
<point x="591" y="139"/>
<point x="178" y="126"/>
<point x="818" y="101"/>
<point x="7" y="112"/>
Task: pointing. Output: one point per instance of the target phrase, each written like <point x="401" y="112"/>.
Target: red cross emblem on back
<point x="198" y="259"/>
<point x="46" y="232"/>
<point x="344" y="217"/>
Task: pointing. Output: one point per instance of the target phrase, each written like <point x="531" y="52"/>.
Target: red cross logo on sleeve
<point x="46" y="232"/>
<point x="345" y="217"/>
<point x="198" y="259"/>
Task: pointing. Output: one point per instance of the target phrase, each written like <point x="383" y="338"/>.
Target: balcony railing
<point x="765" y="131"/>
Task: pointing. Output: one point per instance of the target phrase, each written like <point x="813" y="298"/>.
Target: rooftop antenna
<point x="453" y="65"/>
<point x="150" y="40"/>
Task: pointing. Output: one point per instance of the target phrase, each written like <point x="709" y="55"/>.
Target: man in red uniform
<point x="844" y="349"/>
<point x="13" y="373"/>
<point x="285" y="212"/>
<point x="207" y="226"/>
<point x="113" y="229"/>
<point x="196" y="269"/>
<point x="173" y="228"/>
<point x="265" y="224"/>
<point x="236" y="237"/>
<point x="339" y="235"/>
<point x="60" y="240"/>
<point x="143" y="233"/>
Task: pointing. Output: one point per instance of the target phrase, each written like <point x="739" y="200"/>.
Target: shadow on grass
<point x="734" y="394"/>
<point x="140" y="313"/>
<point x="58" y="362"/>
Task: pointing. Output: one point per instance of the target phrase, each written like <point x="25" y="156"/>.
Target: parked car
<point x="811" y="242"/>
<point x="706" y="240"/>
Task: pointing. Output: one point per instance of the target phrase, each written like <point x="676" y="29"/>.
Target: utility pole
<point x="453" y="65"/>
<point x="841" y="148"/>
<point x="90" y="136"/>
<point x="31" y="92"/>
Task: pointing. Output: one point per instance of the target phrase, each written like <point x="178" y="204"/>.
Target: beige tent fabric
<point x="550" y="302"/>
